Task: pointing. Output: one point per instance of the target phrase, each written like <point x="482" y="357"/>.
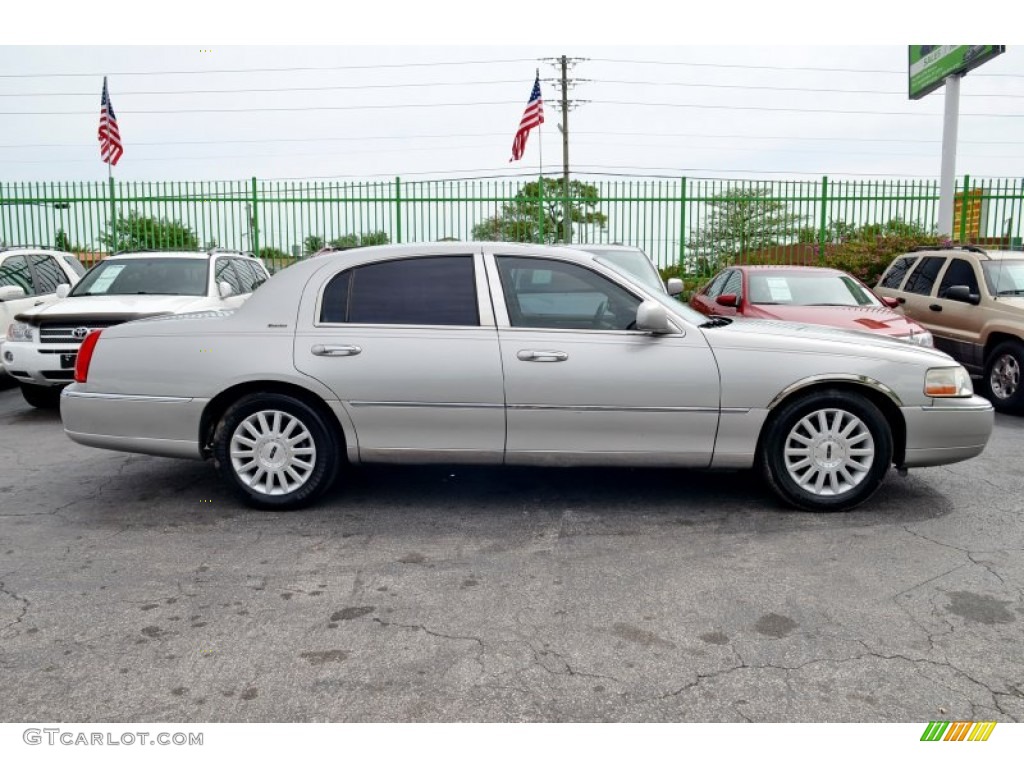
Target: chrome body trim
<point x="108" y="396"/>
<point x="841" y="378"/>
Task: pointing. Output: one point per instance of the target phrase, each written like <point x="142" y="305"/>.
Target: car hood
<point x="124" y="307"/>
<point x="872" y="319"/>
<point x="805" y="338"/>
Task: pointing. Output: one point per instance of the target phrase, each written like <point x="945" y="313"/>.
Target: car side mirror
<point x="63" y="290"/>
<point x="674" y="286"/>
<point x="653" y="318"/>
<point x="728" y="300"/>
<point x="225" y="289"/>
<point x="12" y="292"/>
<point x="961" y="293"/>
<point x="889" y="301"/>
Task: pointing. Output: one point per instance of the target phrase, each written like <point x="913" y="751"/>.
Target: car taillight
<point x="85" y="356"/>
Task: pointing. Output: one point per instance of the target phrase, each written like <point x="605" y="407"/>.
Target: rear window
<point x="156" y="275"/>
<point x="897" y="272"/>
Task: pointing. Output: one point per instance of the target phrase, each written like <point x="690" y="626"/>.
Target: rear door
<point x="410" y="348"/>
<point x="919" y="288"/>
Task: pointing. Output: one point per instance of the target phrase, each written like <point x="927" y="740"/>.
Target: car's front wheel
<point x="827" y="451"/>
<point x="1002" y="382"/>
<point x="41" y="397"/>
<point x="276" y="451"/>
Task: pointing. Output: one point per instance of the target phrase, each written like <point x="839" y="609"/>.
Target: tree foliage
<point x="352" y="240"/>
<point x="531" y="217"/>
<point x="740" y="221"/>
<point x="136" y="232"/>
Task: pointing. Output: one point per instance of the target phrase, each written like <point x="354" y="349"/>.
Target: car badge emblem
<point x="80" y="333"/>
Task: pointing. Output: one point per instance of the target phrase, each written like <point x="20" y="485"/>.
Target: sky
<point x="443" y="111"/>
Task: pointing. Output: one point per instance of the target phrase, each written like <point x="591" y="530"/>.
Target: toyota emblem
<point x="80" y="333"/>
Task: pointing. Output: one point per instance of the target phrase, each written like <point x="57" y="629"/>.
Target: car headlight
<point x="19" y="332"/>
<point x="921" y="338"/>
<point x="948" y="382"/>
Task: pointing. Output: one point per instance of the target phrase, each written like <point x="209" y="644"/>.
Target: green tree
<point x="740" y="220"/>
<point x="136" y="232"/>
<point x="313" y="243"/>
<point x="352" y="240"/>
<point x="529" y="219"/>
<point x="62" y="242"/>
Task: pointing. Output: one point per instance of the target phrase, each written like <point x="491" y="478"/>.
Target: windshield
<point x="808" y="290"/>
<point x="1005" y="277"/>
<point x="634" y="264"/>
<point x="156" y="275"/>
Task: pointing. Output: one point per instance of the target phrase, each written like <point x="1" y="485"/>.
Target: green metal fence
<point x="696" y="224"/>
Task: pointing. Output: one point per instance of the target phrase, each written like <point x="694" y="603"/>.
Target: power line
<point x="267" y="69"/>
<point x="460" y="83"/>
<point x="748" y="108"/>
<point x="781" y="68"/>
<point x="793" y="88"/>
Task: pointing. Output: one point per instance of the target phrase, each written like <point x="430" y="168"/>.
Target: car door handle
<point x="935" y="307"/>
<point x="334" y="350"/>
<point x="542" y="356"/>
<point x="901" y="300"/>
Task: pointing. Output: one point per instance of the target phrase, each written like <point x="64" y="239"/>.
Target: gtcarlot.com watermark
<point x="58" y="736"/>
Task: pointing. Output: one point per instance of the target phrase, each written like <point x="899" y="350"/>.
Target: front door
<point x="583" y="387"/>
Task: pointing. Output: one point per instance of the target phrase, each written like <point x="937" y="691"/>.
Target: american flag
<point x="110" y="137"/>
<point x="532" y="117"/>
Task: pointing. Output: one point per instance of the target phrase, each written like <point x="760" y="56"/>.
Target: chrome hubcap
<point x="829" y="452"/>
<point x="273" y="452"/>
<point x="1005" y="377"/>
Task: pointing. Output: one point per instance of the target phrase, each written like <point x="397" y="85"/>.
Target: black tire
<point x="274" y="452"/>
<point x="827" y="455"/>
<point x="1003" y="383"/>
<point x="41" y="397"/>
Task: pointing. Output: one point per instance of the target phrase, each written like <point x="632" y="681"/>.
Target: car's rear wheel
<point x="41" y="397"/>
<point x="1002" y="382"/>
<point x="276" y="451"/>
<point x="827" y="451"/>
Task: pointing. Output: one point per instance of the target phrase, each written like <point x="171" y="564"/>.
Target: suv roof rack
<point x="16" y="246"/>
<point x="972" y="248"/>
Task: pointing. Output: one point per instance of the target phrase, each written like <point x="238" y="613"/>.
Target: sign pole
<point x="947" y="180"/>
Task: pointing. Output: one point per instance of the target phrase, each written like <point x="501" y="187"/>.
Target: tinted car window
<point x="715" y="287"/>
<point x="225" y="271"/>
<point x="74" y="263"/>
<point x="923" y="277"/>
<point x="435" y="290"/>
<point x="959" y="272"/>
<point x="733" y="284"/>
<point x="48" y="274"/>
<point x="543" y="293"/>
<point x="250" y="274"/>
<point x="14" y="271"/>
<point x="897" y="272"/>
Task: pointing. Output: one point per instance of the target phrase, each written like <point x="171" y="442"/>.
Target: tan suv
<point x="972" y="301"/>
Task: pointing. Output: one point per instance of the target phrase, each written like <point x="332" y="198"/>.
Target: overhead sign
<point x="930" y="65"/>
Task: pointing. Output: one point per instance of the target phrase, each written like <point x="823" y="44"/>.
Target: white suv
<point x="29" y="278"/>
<point x="42" y="344"/>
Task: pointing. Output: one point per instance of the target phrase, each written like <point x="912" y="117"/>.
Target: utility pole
<point x="566" y="218"/>
<point x="564" y="64"/>
<point x="947" y="180"/>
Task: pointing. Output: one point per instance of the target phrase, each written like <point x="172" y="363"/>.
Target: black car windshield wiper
<point x="716" y="322"/>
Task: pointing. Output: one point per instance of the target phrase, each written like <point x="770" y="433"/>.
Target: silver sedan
<point x="497" y="353"/>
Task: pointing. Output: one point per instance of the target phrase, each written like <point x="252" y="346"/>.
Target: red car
<point x="816" y="295"/>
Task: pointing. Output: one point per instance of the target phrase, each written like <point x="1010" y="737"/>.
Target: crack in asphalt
<point x="25" y="605"/>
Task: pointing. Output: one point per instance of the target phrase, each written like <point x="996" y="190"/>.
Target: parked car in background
<point x="815" y="295"/>
<point x="29" y="278"/>
<point x="972" y="301"/>
<point x="502" y="353"/>
<point x="634" y="263"/>
<point x="42" y="342"/>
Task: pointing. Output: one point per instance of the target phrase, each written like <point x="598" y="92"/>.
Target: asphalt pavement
<point x="135" y="588"/>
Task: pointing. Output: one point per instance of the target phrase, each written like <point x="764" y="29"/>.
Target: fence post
<point x="255" y="240"/>
<point x="540" y="209"/>
<point x="964" y="202"/>
<point x="398" y="209"/>
<point x="823" y="231"/>
<point x="682" y="226"/>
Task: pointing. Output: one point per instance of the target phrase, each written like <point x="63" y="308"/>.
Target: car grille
<point x="64" y="333"/>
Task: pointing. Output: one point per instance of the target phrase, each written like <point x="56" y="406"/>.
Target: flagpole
<point x="540" y="143"/>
